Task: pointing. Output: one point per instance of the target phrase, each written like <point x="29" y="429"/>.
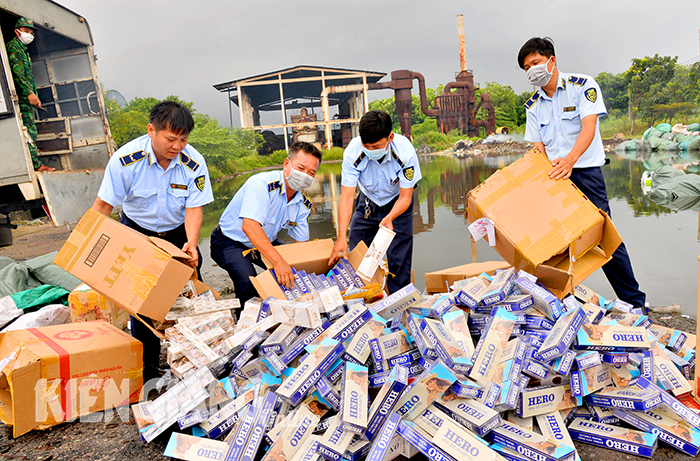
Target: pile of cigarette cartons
<point x="497" y="367"/>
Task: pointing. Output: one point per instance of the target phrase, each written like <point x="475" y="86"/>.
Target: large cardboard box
<point x="87" y="305"/>
<point x="143" y="275"/>
<point x="53" y="374"/>
<point x="311" y="256"/>
<point x="440" y="281"/>
<point x="544" y="226"/>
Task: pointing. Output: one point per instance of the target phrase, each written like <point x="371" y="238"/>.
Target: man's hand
<point x="284" y="274"/>
<point x="191" y="249"/>
<point x="34" y="100"/>
<point x="562" y="167"/>
<point x="341" y="246"/>
<point x="388" y="223"/>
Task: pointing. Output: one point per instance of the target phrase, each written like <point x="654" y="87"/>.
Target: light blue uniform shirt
<point x="381" y="182"/>
<point x="154" y="198"/>
<point x="556" y="121"/>
<point x="263" y="198"/>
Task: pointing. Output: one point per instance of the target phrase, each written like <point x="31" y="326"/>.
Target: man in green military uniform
<point x="21" y="65"/>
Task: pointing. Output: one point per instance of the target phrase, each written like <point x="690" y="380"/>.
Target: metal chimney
<point x="462" y="48"/>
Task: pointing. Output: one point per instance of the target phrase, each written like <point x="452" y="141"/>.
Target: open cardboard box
<point x="440" y="281"/>
<point x="311" y="256"/>
<point x="544" y="226"/>
<point x="59" y="373"/>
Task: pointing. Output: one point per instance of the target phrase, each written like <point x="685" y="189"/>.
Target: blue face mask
<point x="377" y="154"/>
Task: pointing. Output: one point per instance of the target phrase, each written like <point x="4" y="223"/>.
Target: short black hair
<point x="306" y="147"/>
<point x="375" y="125"/>
<point x="543" y="46"/>
<point x="172" y="116"/>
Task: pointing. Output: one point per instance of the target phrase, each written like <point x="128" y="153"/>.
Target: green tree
<point x="505" y="103"/>
<point x="614" y="89"/>
<point x="218" y="144"/>
<point x="671" y="98"/>
<point x="642" y="75"/>
<point x="520" y="112"/>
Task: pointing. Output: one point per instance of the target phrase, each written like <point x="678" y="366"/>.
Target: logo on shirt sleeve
<point x="200" y="182"/>
<point x="409" y="173"/>
<point x="591" y="94"/>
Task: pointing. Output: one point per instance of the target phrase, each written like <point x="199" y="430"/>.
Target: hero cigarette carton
<point x="614" y="358"/>
<point x="619" y="306"/>
<point x="562" y="335"/>
<point x="544" y="300"/>
<point x="670" y="377"/>
<point x="562" y="365"/>
<point x="500" y="287"/>
<point x="419" y="338"/>
<point x="667" y="425"/>
<point x="348" y="324"/>
<point x="612" y="338"/>
<point x="471" y="414"/>
<point x="302" y="341"/>
<point x="546" y="399"/>
<point x="377" y="356"/>
<point x="353" y="409"/>
<point x="327" y="390"/>
<point x="222" y="421"/>
<point x="535" y="369"/>
<point x="552" y="426"/>
<point x="393" y="344"/>
<point x="594" y="313"/>
<point x="357" y="450"/>
<point x="358" y="349"/>
<point x="470" y="293"/>
<point x="631" y="397"/>
<point x="461" y="444"/>
<point x="530" y="444"/>
<point x="283" y="336"/>
<point x="293" y="437"/>
<point x="295" y="387"/>
<point x="385" y="401"/>
<point x="446" y="346"/>
<point x="397" y="302"/>
<point x="422" y="441"/>
<point x="408" y="358"/>
<point x="488" y="351"/>
<point x="508" y="454"/>
<point x="433" y="306"/>
<point x="250" y="446"/>
<point x="430" y="420"/>
<point x="191" y="448"/>
<point x="380" y="446"/>
<point x="613" y="437"/>
<point x="588" y="359"/>
<point x="431" y="384"/>
<point x="466" y="389"/>
<point x="603" y="415"/>
<point x="307" y="452"/>
<point x="515" y="303"/>
<point x="537" y="322"/>
<point x="682" y="365"/>
<point x="670" y="338"/>
<point x="335" y="441"/>
<point x="570" y="303"/>
<point x="587" y="381"/>
<point x="628" y="320"/>
<point x="193" y="418"/>
<point x="527" y="423"/>
<point x="587" y="295"/>
<point x="670" y="402"/>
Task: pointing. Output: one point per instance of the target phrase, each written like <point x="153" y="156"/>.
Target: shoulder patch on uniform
<point x="591" y="94"/>
<point x="305" y="200"/>
<point x="188" y="162"/>
<point x="396" y="156"/>
<point x="532" y="100"/>
<point x="200" y="182"/>
<point x="358" y="159"/>
<point x="132" y="158"/>
<point x="274" y="185"/>
<point x="577" y="80"/>
<point x="409" y="173"/>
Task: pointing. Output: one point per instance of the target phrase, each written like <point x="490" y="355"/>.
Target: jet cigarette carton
<point x="612" y="338"/>
<point x="471" y="414"/>
<point x="587" y="381"/>
<point x="327" y="390"/>
<point x="380" y="446"/>
<point x="431" y="384"/>
<point x="500" y="287"/>
<point x="353" y="409"/>
<point x="670" y="338"/>
<point x="335" y="441"/>
<point x="530" y="444"/>
<point x="397" y="302"/>
<point x="562" y="335"/>
<point x="488" y="351"/>
<point x="455" y="440"/>
<point x="446" y="346"/>
<point x="385" y="401"/>
<point x="296" y="386"/>
<point x="546" y="399"/>
<point x="191" y="448"/>
<point x="631" y="397"/>
<point x="470" y="293"/>
<point x="544" y="300"/>
<point x="613" y="437"/>
<point x="292" y="439"/>
<point x="412" y="434"/>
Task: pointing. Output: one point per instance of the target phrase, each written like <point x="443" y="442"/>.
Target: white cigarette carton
<point x="375" y="253"/>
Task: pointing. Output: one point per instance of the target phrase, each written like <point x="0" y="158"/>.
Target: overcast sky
<point x="161" y="47"/>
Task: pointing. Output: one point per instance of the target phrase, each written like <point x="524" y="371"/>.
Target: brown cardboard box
<point x="53" y="374"/>
<point x="143" y="275"/>
<point x="86" y="305"/>
<point x="544" y="226"/>
<point x="311" y="256"/>
<point x="438" y="281"/>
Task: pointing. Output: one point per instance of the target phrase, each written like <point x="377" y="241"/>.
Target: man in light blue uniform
<point x="267" y="203"/>
<point x="385" y="166"/>
<point x="162" y="183"/>
<point x="562" y="121"/>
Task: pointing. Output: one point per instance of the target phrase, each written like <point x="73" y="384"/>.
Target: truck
<point x="73" y="130"/>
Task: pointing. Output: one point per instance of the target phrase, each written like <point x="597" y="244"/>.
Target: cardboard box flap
<point x="439" y="281"/>
<point x="169" y="248"/>
<point x="355" y="257"/>
<point x="266" y="283"/>
<point x="300" y="253"/>
<point x="23" y="404"/>
<point x="611" y="237"/>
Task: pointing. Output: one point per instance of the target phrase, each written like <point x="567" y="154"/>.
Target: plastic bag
<point x="55" y="314"/>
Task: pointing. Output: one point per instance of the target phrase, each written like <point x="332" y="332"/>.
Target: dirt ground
<point x="114" y="435"/>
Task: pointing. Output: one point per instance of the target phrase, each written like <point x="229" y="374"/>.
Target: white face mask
<point x="26" y="38"/>
<point x="539" y="75"/>
<point x="298" y="181"/>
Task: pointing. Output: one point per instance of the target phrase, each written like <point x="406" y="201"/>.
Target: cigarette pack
<point x="588" y="359"/>
<point x="544" y="301"/>
<point x="380" y="446"/>
<point x="422" y="441"/>
<point x="488" y="351"/>
<point x="461" y="444"/>
<point x="191" y="448"/>
<point x="631" y="397"/>
<point x="433" y="306"/>
<point x="353" y="409"/>
<point x="393" y="344"/>
<point x="530" y="444"/>
<point x="335" y="441"/>
<point x="295" y="387"/>
<point x="397" y="302"/>
<point x="562" y="335"/>
<point x="327" y="390"/>
<point x="446" y="346"/>
<point x="612" y="338"/>
<point x="670" y="338"/>
<point x="385" y="401"/>
<point x="562" y="365"/>
<point x="613" y="437"/>
<point x="546" y="399"/>
<point x="431" y="384"/>
<point x="469" y="293"/>
<point x="500" y="287"/>
<point x="471" y="414"/>
<point x="466" y="389"/>
<point x="294" y="436"/>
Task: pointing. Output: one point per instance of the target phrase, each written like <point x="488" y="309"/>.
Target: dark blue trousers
<point x="619" y="269"/>
<point x="151" y="342"/>
<point x="400" y="252"/>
